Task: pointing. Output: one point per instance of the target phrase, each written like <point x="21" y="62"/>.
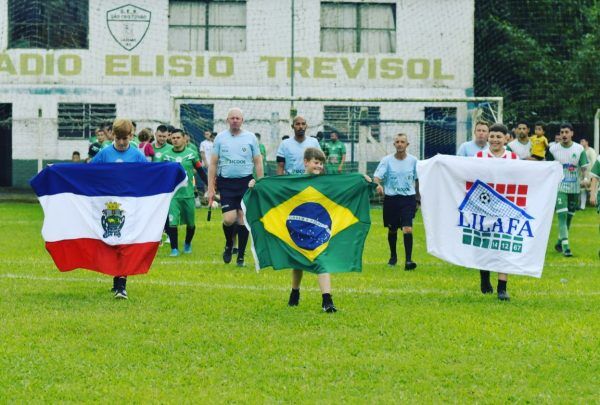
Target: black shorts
<point x="399" y="210"/>
<point x="232" y="190"/>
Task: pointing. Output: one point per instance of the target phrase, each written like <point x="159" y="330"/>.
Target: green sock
<point x="563" y="229"/>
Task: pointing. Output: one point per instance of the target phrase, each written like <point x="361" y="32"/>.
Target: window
<point x="49" y="24"/>
<point x="79" y="121"/>
<point x="358" y="27"/>
<point x="207" y="25"/>
<point x="345" y="120"/>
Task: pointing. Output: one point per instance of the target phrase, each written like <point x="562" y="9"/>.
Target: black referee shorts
<point x="232" y="190"/>
<point x="399" y="210"/>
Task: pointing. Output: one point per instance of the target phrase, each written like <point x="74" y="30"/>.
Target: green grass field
<point x="196" y="330"/>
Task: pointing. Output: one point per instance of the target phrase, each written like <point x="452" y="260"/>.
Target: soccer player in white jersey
<point x="521" y="146"/>
<point x="496" y="139"/>
<point x="398" y="172"/>
<point x="574" y="161"/>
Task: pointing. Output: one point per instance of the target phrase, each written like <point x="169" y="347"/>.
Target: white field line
<point x="247" y="287"/>
<point x="4" y="263"/>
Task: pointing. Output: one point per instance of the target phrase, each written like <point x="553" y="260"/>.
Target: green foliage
<point x="196" y="330"/>
<point x="541" y="55"/>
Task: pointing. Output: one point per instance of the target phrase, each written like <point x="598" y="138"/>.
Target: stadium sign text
<point x="371" y="68"/>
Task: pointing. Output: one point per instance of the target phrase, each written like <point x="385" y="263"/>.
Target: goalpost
<point x="365" y="125"/>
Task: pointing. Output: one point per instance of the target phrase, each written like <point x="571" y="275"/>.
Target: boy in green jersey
<point x="182" y="210"/>
<point x="573" y="159"/>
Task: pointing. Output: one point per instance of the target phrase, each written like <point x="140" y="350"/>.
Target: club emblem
<point x="112" y="220"/>
<point x="128" y="25"/>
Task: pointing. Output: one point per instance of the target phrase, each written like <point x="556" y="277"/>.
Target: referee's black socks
<point x="229" y="232"/>
<point x="408" y="244"/>
<point x="243" y="233"/>
<point x="392" y="240"/>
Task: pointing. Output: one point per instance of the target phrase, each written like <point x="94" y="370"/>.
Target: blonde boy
<point x="314" y="159"/>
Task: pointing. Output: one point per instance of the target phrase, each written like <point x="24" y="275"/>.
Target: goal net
<point x="366" y="127"/>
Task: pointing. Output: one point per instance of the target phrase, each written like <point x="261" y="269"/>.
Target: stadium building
<point x="68" y="65"/>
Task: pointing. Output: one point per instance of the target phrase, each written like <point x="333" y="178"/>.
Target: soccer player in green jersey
<point x="109" y="137"/>
<point x="573" y="159"/>
<point x="160" y="145"/>
<point x="182" y="210"/>
<point x="336" y="154"/>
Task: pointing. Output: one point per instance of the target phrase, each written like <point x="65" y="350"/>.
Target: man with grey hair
<point x="234" y="157"/>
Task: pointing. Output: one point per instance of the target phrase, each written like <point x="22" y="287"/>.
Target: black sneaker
<point x="121" y="294"/>
<point x="503" y="296"/>
<point x="567" y="253"/>
<point x="408" y="266"/>
<point x="227" y="255"/>
<point x="393" y="260"/>
<point x="558" y="247"/>
<point x="487" y="288"/>
<point x="240" y="261"/>
<point x="329" y="308"/>
<point x="294" y="298"/>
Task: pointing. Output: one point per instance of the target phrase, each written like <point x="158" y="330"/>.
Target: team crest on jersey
<point x="112" y="220"/>
<point x="128" y="25"/>
<point x="493" y="216"/>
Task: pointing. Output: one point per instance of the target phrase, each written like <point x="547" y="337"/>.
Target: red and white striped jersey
<point x="486" y="154"/>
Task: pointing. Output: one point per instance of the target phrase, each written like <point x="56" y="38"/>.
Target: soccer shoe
<point x="187" y="248"/>
<point x="174" y="253"/>
<point x="393" y="260"/>
<point x="329" y="308"/>
<point x="227" y="255"/>
<point x="558" y="247"/>
<point x="408" y="266"/>
<point x="294" y="298"/>
<point x="121" y="294"/>
<point x="240" y="261"/>
<point x="503" y="296"/>
<point x="567" y="253"/>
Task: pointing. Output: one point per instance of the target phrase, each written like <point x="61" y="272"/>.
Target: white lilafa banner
<point x="489" y="214"/>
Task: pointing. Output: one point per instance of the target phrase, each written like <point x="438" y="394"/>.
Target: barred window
<point x="345" y="121"/>
<point x="48" y="24"/>
<point x="358" y="27"/>
<point x="79" y="121"/>
<point x="207" y="25"/>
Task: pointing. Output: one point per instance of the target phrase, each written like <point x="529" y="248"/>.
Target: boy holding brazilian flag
<point x="309" y="223"/>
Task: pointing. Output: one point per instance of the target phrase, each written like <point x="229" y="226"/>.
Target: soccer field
<point x="196" y="330"/>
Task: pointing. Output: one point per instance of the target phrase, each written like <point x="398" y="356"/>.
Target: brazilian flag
<point x="313" y="223"/>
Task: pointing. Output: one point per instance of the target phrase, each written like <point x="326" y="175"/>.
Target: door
<point x="440" y="131"/>
<point x="197" y="118"/>
<point x="6" y="163"/>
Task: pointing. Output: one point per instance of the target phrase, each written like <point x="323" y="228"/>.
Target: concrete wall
<point x="433" y="58"/>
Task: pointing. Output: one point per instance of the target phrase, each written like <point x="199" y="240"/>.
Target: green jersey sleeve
<point x="583" y="159"/>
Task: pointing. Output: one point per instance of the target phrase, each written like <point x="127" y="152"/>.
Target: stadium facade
<point x="65" y="68"/>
